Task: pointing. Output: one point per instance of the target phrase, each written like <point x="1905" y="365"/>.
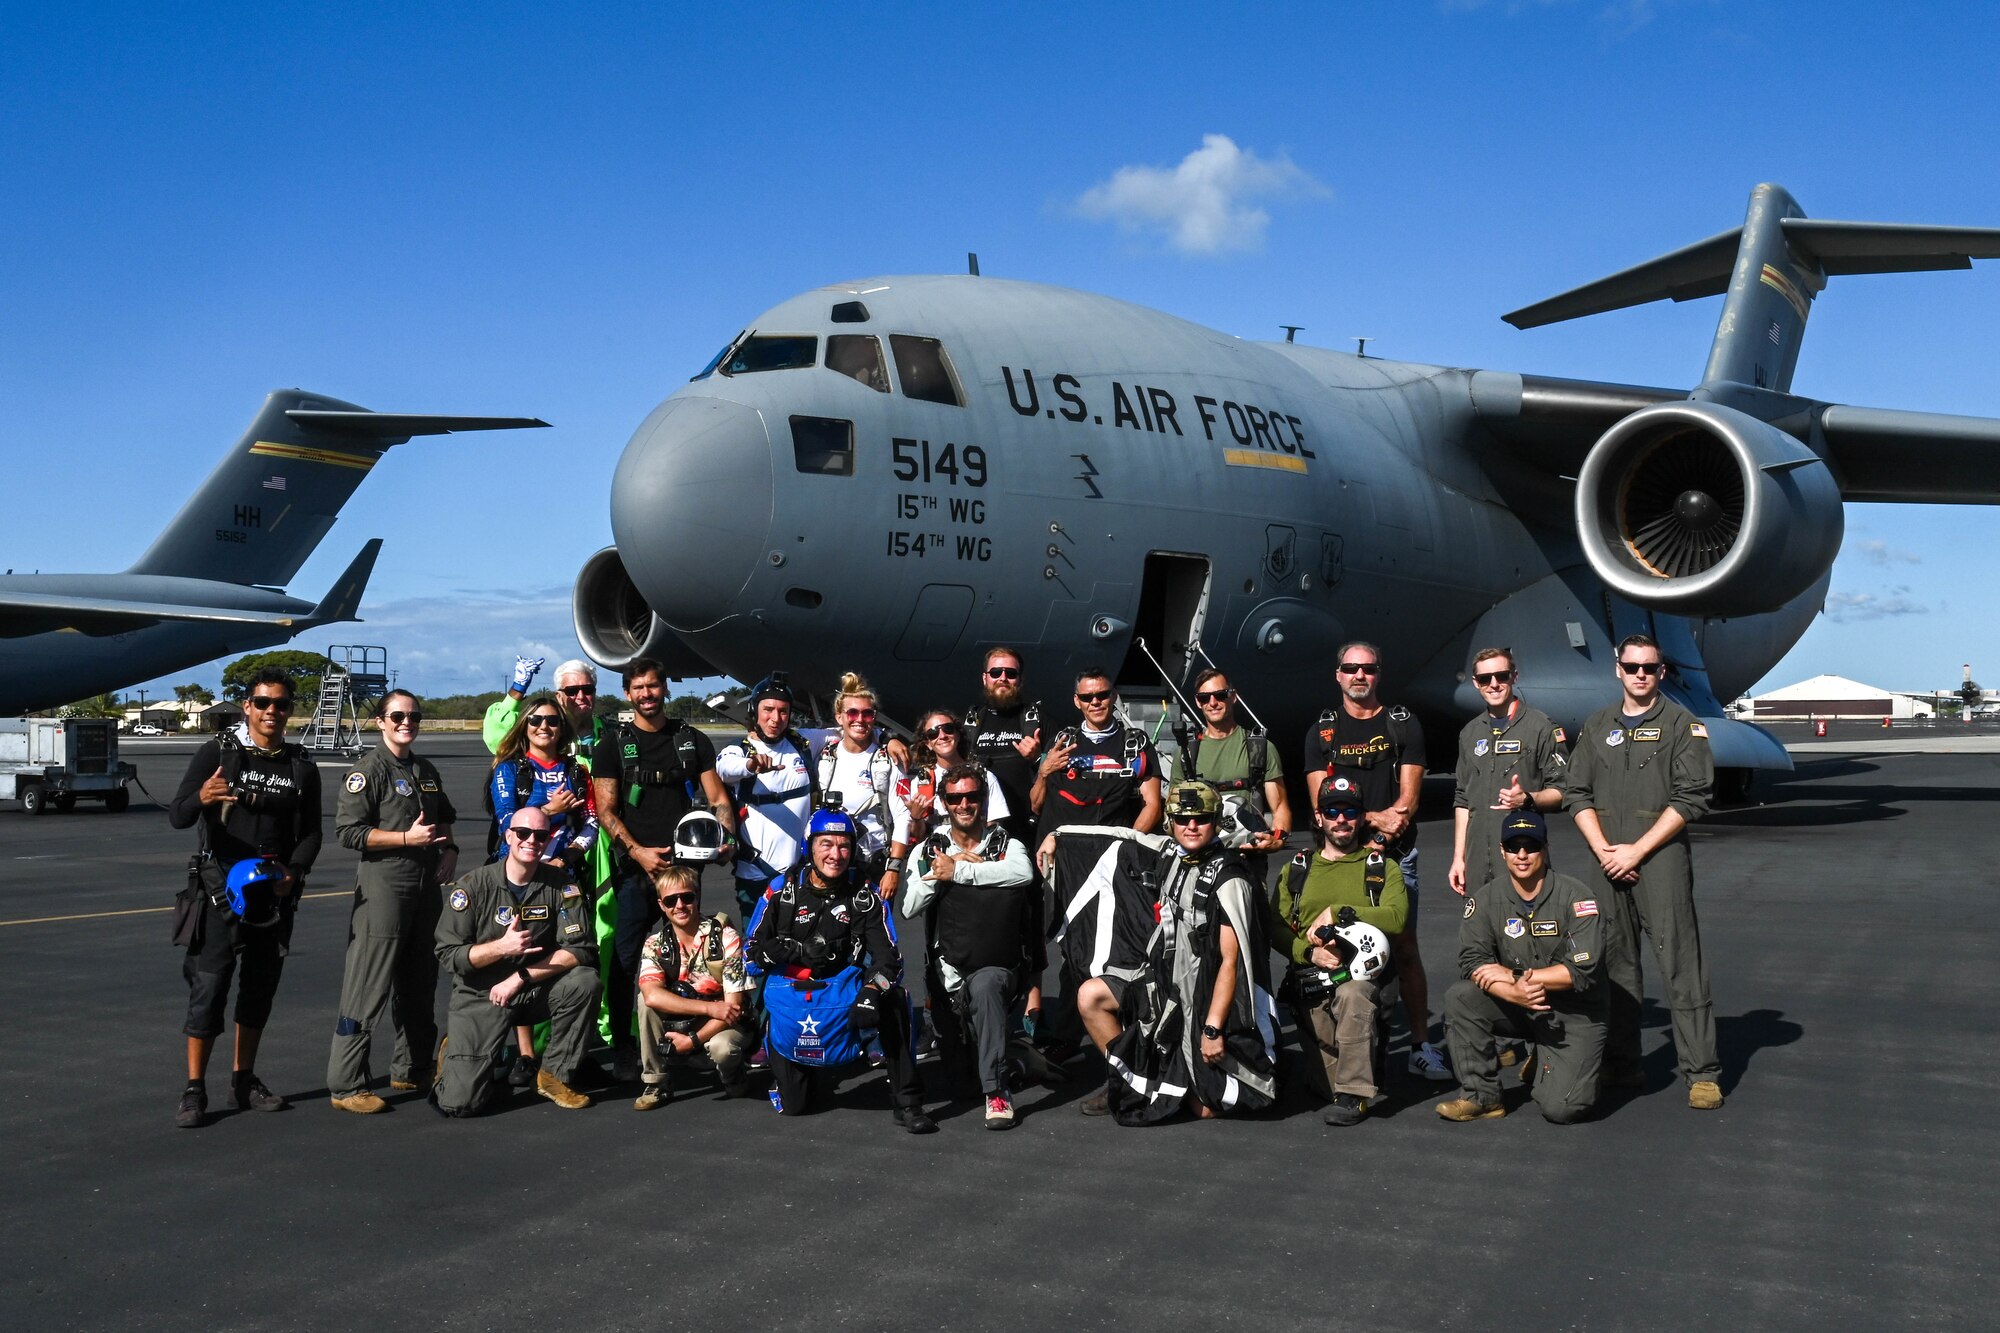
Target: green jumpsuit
<point x="1561" y="925"/>
<point x="478" y="909"/>
<point x="391" y="955"/>
<point x="1628" y="772"/>
<point x="1490" y="756"/>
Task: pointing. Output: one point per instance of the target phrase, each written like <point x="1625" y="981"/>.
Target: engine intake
<point x="1700" y="509"/>
<point x="614" y="623"/>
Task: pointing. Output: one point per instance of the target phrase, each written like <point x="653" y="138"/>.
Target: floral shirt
<point x="661" y="960"/>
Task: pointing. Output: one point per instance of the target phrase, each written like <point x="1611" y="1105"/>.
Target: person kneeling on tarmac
<point x="516" y="937"/>
<point x="822" y="935"/>
<point x="1531" y="950"/>
<point x="693" y="993"/>
<point x="1334" y="912"/>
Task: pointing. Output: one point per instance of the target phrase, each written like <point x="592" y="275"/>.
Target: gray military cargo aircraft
<point x="208" y="585"/>
<point x="895" y="474"/>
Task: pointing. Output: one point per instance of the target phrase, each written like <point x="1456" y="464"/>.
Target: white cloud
<point x="1848" y="607"/>
<point x="1881" y="553"/>
<point x="1204" y="205"/>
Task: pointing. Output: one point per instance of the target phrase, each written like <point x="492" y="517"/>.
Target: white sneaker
<point x="1428" y="1062"/>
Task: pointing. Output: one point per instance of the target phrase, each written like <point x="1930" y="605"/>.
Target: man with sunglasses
<point x="394" y="812"/>
<point x="576" y="688"/>
<point x="972" y="883"/>
<point x="255" y="796"/>
<point x="648" y="773"/>
<point x="1380" y="748"/>
<point x="1226" y="756"/>
<point x="1495" y="750"/>
<point x="518" y="939"/>
<point x="693" y="993"/>
<point x="1003" y="731"/>
<point x="1640" y="774"/>
<point x="1531" y="948"/>
<point x="1104" y="772"/>
<point x="1336" y="1028"/>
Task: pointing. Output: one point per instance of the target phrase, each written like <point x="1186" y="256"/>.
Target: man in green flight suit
<point x="1532" y="953"/>
<point x="1510" y="758"/>
<point x="1640" y="774"/>
<point x="393" y="811"/>
<point x="516" y="935"/>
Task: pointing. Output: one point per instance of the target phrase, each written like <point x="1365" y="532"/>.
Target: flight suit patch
<point x="1515" y="928"/>
<point x="1616" y="736"/>
<point x="1646" y="734"/>
<point x="460" y="900"/>
<point x="1697" y="729"/>
<point x="1542" y="928"/>
<point x="538" y="912"/>
<point x="1561" y="739"/>
<point x="573" y="928"/>
<point x="428" y="784"/>
<point x="1470" y="908"/>
<point x="357" y="781"/>
<point x="1580" y="956"/>
<point x="571" y="891"/>
<point x="1586" y="907"/>
<point x="1479" y="748"/>
<point x="504" y="917"/>
<point x="403" y="787"/>
<point x="1507" y="747"/>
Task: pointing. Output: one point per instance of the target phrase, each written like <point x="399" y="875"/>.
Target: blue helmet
<point x="827" y="819"/>
<point x="251" y="889"/>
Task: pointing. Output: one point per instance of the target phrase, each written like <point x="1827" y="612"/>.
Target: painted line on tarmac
<point x="137" y="911"/>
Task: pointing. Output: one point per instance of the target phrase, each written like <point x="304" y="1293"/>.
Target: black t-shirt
<point x="991" y="739"/>
<point x="278" y="814"/>
<point x="1367" y="751"/>
<point x="1100" y="785"/>
<point x="658" y="775"/>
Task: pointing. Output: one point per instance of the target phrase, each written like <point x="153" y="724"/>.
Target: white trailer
<point x="58" y="761"/>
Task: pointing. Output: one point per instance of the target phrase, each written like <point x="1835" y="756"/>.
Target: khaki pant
<point x="476" y="1027"/>
<point x="1338" y="1035"/>
<point x="1569" y="1049"/>
<point x="729" y="1048"/>
<point x="392" y="965"/>
<point x="1661" y="904"/>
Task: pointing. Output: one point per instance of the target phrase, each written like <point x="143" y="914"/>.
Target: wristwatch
<point x="1208" y="1030"/>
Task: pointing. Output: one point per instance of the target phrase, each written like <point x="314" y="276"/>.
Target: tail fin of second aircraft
<point x="1771" y="268"/>
<point x="278" y="491"/>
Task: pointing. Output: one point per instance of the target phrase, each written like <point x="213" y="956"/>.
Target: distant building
<point x="1834" y="697"/>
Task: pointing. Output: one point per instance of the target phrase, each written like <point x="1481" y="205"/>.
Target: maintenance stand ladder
<point x="356" y="676"/>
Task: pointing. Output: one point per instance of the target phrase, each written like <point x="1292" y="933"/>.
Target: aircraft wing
<point x="1880" y="454"/>
<point x="46" y="606"/>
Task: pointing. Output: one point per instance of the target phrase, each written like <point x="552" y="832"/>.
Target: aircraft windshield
<point x="716" y="360"/>
<point x="923" y="369"/>
<point x="785" y="351"/>
<point x="860" y="356"/>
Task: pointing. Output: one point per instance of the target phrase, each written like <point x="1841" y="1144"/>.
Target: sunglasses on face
<point x="1520" y="848"/>
<point x="578" y="691"/>
<point x="940" y="730"/>
<point x="399" y="718"/>
<point x="972" y="797"/>
<point x="1493" y="677"/>
<point x="673" y="900"/>
<point x="865" y="714"/>
<point x="1212" y="696"/>
<point x="1359" y="669"/>
<point x="1642" y="668"/>
<point x="1192" y="819"/>
<point x="529" y="834"/>
<point x="260" y="702"/>
<point x="1003" y="673"/>
<point x="545" y="721"/>
<point x="1344" y="814"/>
<point x="1095" y="697"/>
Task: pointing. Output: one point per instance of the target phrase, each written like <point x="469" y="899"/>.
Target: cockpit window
<point x="858" y="355"/>
<point x="824" y="445"/>
<point x="924" y="370"/>
<point x="780" y="351"/>
<point x="716" y="360"/>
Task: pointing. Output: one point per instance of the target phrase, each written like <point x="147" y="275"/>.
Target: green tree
<point x="305" y="668"/>
<point x="194" y="691"/>
<point x="101" y="705"/>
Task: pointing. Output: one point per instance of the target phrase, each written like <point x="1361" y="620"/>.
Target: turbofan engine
<point x="1703" y="510"/>
<point x="613" y="622"/>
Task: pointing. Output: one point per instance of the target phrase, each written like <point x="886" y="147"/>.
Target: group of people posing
<point x="582" y="921"/>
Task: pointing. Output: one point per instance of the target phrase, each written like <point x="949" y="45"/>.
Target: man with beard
<point x="1004" y="732"/>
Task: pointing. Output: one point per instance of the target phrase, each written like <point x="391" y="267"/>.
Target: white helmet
<point x="1368" y="947"/>
<point x="1240" y="820"/>
<point x="699" y="838"/>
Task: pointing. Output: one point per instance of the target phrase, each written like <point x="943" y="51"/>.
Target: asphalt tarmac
<point x="1849" y="923"/>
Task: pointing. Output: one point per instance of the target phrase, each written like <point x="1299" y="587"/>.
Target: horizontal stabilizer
<point x="344" y="597"/>
<point x="1704" y="268"/>
<point x="1912" y="457"/>
<point x="402" y="425"/>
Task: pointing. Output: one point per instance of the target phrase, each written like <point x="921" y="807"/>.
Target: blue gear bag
<point x="807" y="1021"/>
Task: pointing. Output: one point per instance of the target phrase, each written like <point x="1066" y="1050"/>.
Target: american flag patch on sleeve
<point x="1587" y="907"/>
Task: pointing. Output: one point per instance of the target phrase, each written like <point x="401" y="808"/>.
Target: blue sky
<point x="563" y="210"/>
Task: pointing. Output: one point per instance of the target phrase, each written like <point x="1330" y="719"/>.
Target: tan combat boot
<point x="1705" y="1095"/>
<point x="1462" y="1109"/>
<point x="363" y="1102"/>
<point x="559" y="1092"/>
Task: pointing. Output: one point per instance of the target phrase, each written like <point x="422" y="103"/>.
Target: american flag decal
<point x="276" y="483"/>
<point x="1776" y="333"/>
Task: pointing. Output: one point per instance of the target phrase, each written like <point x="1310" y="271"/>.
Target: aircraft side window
<point x="924" y="370"/>
<point x="858" y="355"/>
<point x="823" y="445"/>
<point x="781" y="351"/>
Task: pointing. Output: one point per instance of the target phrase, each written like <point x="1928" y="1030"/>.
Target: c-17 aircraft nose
<point x="691" y="507"/>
